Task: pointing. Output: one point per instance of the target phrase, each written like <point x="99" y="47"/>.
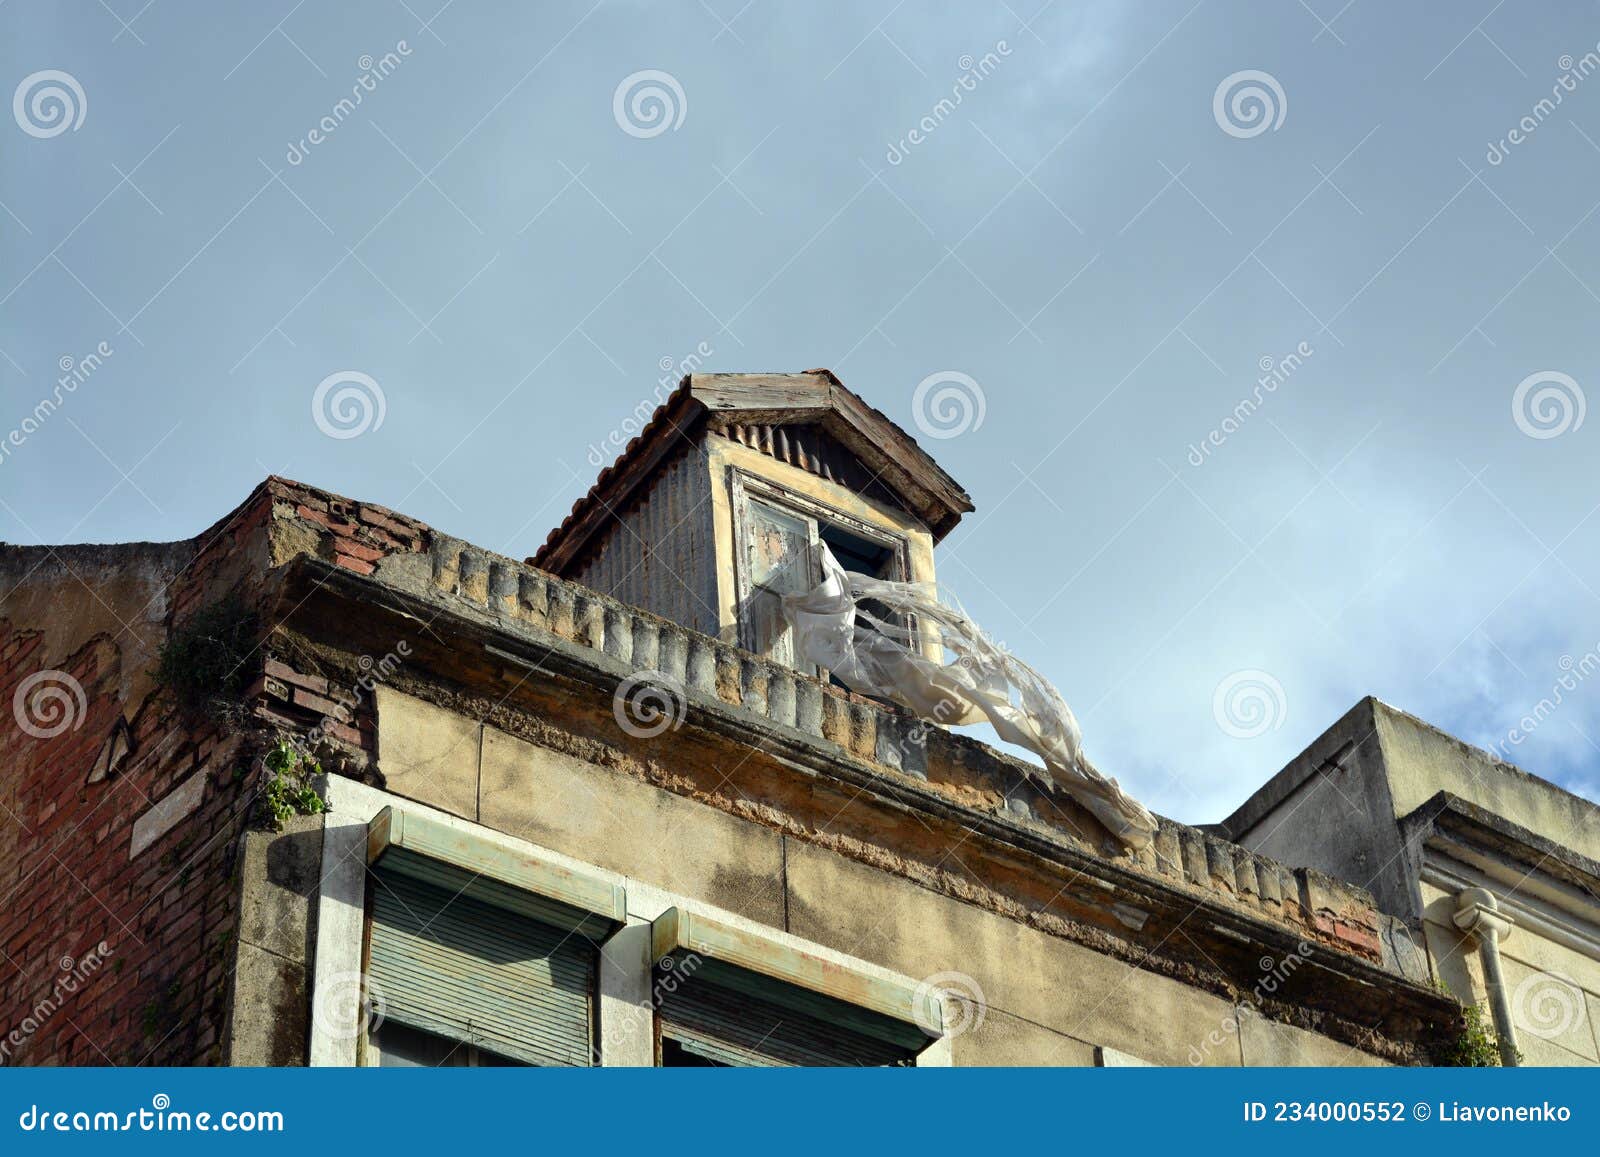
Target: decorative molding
<point x="682" y="930"/>
<point x="1454" y="877"/>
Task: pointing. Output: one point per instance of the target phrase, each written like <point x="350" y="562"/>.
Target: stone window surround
<point x="626" y="1016"/>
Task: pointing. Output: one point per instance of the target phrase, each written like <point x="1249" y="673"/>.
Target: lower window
<point x="459" y="981"/>
<point x="727" y="1017"/>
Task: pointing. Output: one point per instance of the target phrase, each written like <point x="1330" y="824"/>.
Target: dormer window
<point x="778" y="535"/>
<point x="723" y="502"/>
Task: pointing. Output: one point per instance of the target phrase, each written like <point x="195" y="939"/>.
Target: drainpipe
<point x="1478" y="914"/>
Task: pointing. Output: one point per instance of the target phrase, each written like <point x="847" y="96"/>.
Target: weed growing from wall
<point x="205" y="663"/>
<point x="288" y="790"/>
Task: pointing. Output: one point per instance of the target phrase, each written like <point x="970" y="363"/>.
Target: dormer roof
<point x="734" y="404"/>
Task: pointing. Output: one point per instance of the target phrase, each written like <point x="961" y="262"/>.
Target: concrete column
<point x="338" y="1021"/>
<point x="627" y="1007"/>
<point x="1478" y="914"/>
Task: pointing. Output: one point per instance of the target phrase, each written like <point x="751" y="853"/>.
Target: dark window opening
<point x="864" y="557"/>
<point x="779" y="542"/>
<point x="725" y="1017"/>
<point x="857" y="554"/>
<point x="675" y="1056"/>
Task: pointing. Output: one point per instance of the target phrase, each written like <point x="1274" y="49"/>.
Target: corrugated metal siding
<point x="451" y="965"/>
<point x="661" y="555"/>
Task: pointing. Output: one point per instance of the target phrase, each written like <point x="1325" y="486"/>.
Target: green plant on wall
<point x="205" y="663"/>
<point x="288" y="790"/>
<point x="1475" y="1046"/>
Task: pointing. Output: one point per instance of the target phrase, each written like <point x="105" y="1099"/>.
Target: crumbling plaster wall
<point x="165" y="872"/>
<point x="1338" y="807"/>
<point x="120" y="811"/>
<point x="1331" y="808"/>
<point x="270" y="1002"/>
<point x="1047" y="1000"/>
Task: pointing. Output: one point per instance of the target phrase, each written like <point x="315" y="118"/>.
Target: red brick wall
<point x="355" y="535"/>
<point x="67" y="884"/>
<point x="167" y="918"/>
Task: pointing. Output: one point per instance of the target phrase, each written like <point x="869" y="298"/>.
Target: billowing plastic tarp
<point x="882" y="655"/>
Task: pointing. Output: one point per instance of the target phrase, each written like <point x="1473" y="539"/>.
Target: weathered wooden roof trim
<point x="717" y="401"/>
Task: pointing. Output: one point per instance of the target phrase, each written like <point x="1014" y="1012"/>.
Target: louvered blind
<point x="451" y="964"/>
<point x="732" y="1017"/>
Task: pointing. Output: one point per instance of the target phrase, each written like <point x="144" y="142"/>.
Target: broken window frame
<point x="746" y="489"/>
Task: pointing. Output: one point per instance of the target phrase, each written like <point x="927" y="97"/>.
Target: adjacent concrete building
<point x="1497" y="871"/>
<point x="324" y="785"/>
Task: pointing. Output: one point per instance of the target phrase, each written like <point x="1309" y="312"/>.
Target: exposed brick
<point x="332" y="523"/>
<point x="249" y="521"/>
<point x="1363" y="940"/>
<point x="265" y="685"/>
<point x="371" y="512"/>
<point x="403" y="530"/>
<point x="63" y="913"/>
<point x="168" y="912"/>
<point x="277" y="718"/>
<point x="281" y="670"/>
<point x="355" y="549"/>
<point x="320" y="704"/>
<point x="345" y="734"/>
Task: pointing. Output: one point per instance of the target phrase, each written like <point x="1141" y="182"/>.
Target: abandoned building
<point x="326" y="786"/>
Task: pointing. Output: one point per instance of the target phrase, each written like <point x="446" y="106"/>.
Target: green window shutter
<point x="449" y="963"/>
<point x="733" y="1018"/>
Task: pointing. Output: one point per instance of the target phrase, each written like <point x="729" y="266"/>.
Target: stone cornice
<point x="1448" y="818"/>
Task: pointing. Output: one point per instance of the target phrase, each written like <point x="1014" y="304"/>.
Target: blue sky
<point x="1100" y="250"/>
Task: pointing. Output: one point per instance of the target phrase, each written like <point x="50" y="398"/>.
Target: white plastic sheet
<point x="979" y="682"/>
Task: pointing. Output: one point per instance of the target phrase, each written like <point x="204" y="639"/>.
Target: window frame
<point x="746" y="487"/>
<point x="708" y="944"/>
<point x="369" y="1051"/>
<point x="627" y="1005"/>
<point x="591" y="898"/>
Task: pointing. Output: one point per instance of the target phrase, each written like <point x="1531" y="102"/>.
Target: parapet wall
<point x="153" y="842"/>
<point x="371" y="540"/>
